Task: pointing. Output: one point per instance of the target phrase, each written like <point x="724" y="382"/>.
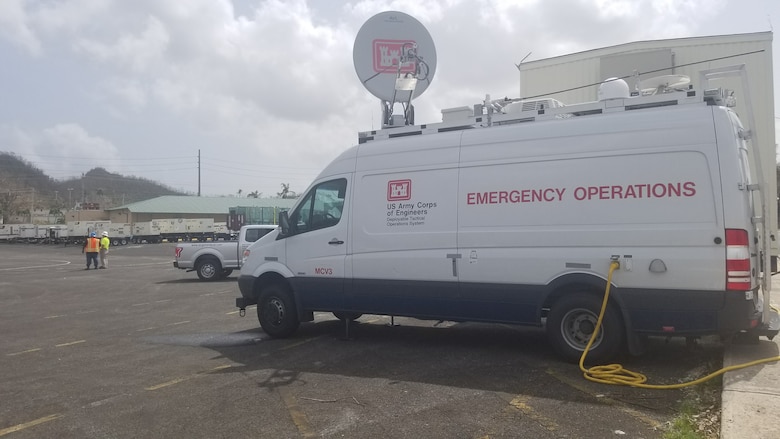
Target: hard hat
<point x="105" y="233"/>
<point x="92" y="234"/>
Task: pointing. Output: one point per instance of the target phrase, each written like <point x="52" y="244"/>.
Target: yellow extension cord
<point x="615" y="374"/>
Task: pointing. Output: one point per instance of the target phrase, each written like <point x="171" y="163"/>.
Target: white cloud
<point x="269" y="85"/>
<point x="138" y="53"/>
<point x="15" y="28"/>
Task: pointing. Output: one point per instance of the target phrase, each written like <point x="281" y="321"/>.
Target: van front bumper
<point x="247" y="296"/>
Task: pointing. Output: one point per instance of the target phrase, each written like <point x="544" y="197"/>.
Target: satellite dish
<point x="391" y="50"/>
<point x="663" y="83"/>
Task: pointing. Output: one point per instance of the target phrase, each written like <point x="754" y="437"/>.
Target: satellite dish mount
<point x="395" y="59"/>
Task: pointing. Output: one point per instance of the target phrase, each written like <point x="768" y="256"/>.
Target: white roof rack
<point x="464" y="118"/>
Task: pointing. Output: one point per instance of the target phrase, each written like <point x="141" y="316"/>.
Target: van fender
<point x="272" y="266"/>
<point x="566" y="283"/>
<point x="275" y="272"/>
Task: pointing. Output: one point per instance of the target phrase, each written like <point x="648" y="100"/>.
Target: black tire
<point x="208" y="269"/>
<point x="123" y="242"/>
<point x="571" y="322"/>
<point x="227" y="272"/>
<point x="276" y="312"/>
<point x="347" y="315"/>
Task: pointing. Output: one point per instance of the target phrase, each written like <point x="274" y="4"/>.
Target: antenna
<point x="395" y="60"/>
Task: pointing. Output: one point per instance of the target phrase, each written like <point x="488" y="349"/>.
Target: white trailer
<point x="8" y="231"/>
<point x="120" y="233"/>
<point x="200" y="229"/>
<point x="146" y="231"/>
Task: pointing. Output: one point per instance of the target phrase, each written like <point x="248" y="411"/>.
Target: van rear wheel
<point x="276" y="312"/>
<point x="570" y="325"/>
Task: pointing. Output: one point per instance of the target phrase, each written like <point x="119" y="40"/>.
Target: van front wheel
<point x="276" y="312"/>
<point x="571" y="323"/>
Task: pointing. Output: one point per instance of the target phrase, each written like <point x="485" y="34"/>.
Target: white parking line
<point x="31" y="267"/>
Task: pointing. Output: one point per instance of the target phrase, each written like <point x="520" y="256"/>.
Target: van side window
<point x="321" y="207"/>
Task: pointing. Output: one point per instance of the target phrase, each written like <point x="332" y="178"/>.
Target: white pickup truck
<point x="217" y="259"/>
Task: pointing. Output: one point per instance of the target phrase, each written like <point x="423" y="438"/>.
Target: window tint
<point x="321" y="207"/>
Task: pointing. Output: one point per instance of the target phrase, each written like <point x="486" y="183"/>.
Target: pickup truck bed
<point x="214" y="260"/>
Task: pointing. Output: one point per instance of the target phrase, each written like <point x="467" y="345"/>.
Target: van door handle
<point x="454" y="257"/>
<point x="335" y="241"/>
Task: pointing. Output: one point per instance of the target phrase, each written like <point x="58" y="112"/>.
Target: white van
<point x="516" y="220"/>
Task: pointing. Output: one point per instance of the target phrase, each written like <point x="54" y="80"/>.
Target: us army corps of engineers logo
<point x="401" y="209"/>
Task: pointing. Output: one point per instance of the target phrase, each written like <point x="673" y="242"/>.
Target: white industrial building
<point x="574" y="78"/>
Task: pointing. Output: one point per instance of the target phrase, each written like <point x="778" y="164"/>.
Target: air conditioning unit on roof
<point x="533" y="105"/>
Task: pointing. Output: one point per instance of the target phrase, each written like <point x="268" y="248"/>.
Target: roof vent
<point x="532" y="105"/>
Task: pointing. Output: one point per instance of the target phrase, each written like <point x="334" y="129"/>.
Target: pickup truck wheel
<point x="276" y="312"/>
<point x="347" y="315"/>
<point x="226" y="272"/>
<point x="571" y="323"/>
<point x="208" y="269"/>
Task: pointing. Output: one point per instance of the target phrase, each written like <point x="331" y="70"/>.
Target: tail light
<point x="737" y="260"/>
<point x="178" y="252"/>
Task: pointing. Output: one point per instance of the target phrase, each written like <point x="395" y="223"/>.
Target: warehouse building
<point x="190" y="207"/>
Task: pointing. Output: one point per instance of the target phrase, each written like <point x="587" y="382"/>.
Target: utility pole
<point x="70" y="198"/>
<point x="198" y="172"/>
<point x="32" y="205"/>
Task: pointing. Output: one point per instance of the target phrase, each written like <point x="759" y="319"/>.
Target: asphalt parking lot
<point x="145" y="350"/>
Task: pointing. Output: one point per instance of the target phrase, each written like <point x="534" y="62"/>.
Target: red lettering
<point x="689" y="188"/>
<point x="659" y="190"/>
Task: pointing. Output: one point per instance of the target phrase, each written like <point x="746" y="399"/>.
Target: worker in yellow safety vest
<point x="91" y="248"/>
<point x="105" y="242"/>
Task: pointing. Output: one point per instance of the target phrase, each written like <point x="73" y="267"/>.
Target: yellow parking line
<point x="520" y="402"/>
<point x="23" y="352"/>
<point x="182" y="379"/>
<point x="298" y="417"/>
<point x="54" y="317"/>
<point x="295" y="345"/>
<point x="19" y="427"/>
<point x="70" y="343"/>
<point x="146" y="329"/>
<point x="140" y="304"/>
<point x="178" y="323"/>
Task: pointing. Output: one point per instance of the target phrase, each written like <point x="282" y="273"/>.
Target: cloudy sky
<point x="266" y="90"/>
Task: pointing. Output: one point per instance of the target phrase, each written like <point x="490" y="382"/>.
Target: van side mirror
<point x="284" y="224"/>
